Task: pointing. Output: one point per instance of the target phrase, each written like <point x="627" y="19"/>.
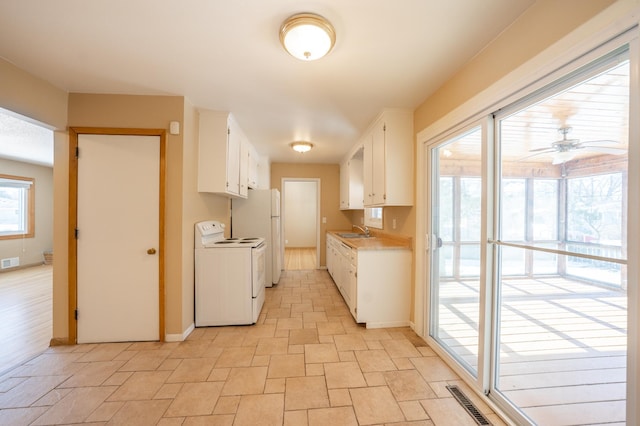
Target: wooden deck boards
<point x="562" y="346"/>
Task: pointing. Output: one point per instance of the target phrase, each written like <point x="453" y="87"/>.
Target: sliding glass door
<point x="561" y="317"/>
<point x="528" y="249"/>
<point x="455" y="242"/>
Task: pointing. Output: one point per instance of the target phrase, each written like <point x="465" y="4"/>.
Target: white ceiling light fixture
<point x="301" y="146"/>
<point x="307" y="36"/>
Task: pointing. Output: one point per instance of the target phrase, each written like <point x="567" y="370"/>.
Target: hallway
<point x="306" y="363"/>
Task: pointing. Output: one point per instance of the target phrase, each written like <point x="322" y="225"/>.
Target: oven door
<point x="258" y="268"/>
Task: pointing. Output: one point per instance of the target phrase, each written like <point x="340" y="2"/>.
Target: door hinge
<point x="384" y="127"/>
<point x="76" y="232"/>
<point x="75" y="314"/>
<point x="77" y="152"/>
<point x="228" y="131"/>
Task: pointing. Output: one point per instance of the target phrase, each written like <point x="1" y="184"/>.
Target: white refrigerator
<point x="258" y="215"/>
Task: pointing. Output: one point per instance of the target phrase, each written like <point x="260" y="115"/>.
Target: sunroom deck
<point x="563" y="346"/>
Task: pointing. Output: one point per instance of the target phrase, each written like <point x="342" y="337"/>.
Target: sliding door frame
<point x="511" y="89"/>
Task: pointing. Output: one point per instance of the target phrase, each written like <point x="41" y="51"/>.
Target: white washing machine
<point x="229" y="277"/>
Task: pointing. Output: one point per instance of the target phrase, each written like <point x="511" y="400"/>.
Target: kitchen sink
<point x="352" y="235"/>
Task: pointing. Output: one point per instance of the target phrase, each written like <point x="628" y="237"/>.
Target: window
<point x="373" y="217"/>
<point x="17" y="207"/>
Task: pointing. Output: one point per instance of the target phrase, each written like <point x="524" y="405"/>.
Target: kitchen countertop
<point x="377" y="241"/>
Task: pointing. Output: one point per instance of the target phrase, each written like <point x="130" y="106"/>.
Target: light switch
<point x="324" y="220"/>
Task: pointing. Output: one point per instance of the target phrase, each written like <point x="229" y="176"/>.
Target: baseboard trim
<point x="180" y="337"/>
<point x="60" y="341"/>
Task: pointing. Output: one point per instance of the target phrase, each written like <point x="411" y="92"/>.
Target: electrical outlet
<point x="393" y="225"/>
<point x="324" y="220"/>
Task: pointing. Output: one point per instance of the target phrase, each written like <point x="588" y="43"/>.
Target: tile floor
<point x="305" y="363"/>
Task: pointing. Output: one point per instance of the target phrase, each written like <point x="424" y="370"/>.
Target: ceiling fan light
<point x="307" y="36"/>
<point x="301" y="146"/>
<point x="563" y="157"/>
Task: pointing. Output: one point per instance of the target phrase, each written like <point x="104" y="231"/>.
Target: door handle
<point x="438" y="242"/>
<point x="151" y="251"/>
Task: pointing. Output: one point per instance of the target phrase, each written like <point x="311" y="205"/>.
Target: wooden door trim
<point x="74" y="132"/>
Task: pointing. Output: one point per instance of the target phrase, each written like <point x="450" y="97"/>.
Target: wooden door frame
<point x="74" y="132"/>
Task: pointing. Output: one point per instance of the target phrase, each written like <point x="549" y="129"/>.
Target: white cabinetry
<point x="388" y="160"/>
<point x="375" y="284"/>
<point x="351" y="184"/>
<point x="254" y="166"/>
<point x="221" y="168"/>
<point x="244" y="168"/>
<point x="383" y="295"/>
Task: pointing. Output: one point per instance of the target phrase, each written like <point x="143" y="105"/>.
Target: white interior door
<point x="118" y="238"/>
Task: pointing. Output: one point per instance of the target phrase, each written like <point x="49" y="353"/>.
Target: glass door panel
<point x="455" y="250"/>
<point x="561" y="302"/>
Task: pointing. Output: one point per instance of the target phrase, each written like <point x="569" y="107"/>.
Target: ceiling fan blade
<point x="604" y="149"/>
<point x="604" y="141"/>
<point x="549" y="149"/>
<point x="540" y="152"/>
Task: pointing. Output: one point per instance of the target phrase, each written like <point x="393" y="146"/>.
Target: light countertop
<point x="377" y="241"/>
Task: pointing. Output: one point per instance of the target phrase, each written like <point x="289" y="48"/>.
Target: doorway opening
<point x="300" y="223"/>
<point x="26" y="238"/>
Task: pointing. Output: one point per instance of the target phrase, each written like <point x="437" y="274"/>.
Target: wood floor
<point x="25" y="314"/>
<point x="298" y="259"/>
<point x="563" y="346"/>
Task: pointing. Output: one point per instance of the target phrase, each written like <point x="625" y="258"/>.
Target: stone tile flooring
<point x="305" y="363"/>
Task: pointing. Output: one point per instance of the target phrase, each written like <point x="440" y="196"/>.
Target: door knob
<point x="151" y="251"/>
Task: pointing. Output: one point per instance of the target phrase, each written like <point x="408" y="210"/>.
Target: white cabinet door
<point x="367" y="169"/>
<point x="344" y="186"/>
<point x="378" y="195"/>
<point x="118" y="238"/>
<point x="233" y="159"/>
<point x="244" y="167"/>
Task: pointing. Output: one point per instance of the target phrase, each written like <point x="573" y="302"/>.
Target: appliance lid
<point x="207" y="232"/>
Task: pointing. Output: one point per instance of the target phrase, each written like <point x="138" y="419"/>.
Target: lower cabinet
<point x="375" y="284"/>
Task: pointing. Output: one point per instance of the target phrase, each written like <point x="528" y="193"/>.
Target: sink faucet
<point x="364" y="230"/>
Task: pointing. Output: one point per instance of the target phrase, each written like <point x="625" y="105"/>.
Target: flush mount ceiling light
<point x="301" y="146"/>
<point x="307" y="36"/>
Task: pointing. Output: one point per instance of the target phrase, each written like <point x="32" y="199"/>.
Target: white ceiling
<point x="226" y="55"/>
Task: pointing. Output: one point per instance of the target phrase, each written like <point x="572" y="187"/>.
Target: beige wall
<point x="196" y="207"/>
<point x="184" y="206"/>
<point x="30" y="250"/>
<point x="539" y="27"/>
<point x="32" y="97"/>
<point x="329" y="175"/>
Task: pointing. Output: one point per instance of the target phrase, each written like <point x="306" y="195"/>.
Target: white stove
<point x="211" y="234"/>
<point x="229" y="276"/>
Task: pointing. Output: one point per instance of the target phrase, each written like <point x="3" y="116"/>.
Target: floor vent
<point x="468" y="405"/>
<point x="10" y="262"/>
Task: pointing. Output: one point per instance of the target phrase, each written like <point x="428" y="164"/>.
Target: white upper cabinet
<point x="254" y="167"/>
<point x="388" y="160"/>
<point x="244" y="167"/>
<point x="223" y="158"/>
<point x="351" y="184"/>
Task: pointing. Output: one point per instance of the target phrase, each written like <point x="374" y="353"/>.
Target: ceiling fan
<point x="566" y="149"/>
